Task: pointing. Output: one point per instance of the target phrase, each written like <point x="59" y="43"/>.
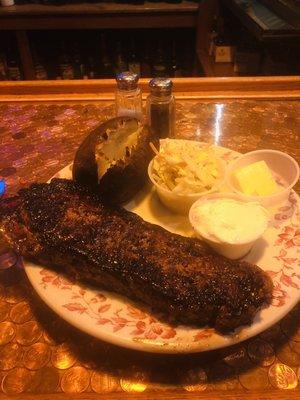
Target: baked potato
<point x="113" y="159"/>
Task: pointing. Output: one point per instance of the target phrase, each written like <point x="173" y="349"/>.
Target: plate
<point x="117" y="320"/>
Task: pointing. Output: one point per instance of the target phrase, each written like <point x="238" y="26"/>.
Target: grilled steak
<point x="65" y="226"/>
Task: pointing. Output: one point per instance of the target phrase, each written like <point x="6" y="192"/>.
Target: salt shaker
<point x="128" y="95"/>
<point x="161" y="108"/>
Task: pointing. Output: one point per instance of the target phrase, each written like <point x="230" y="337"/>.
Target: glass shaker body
<point x="128" y="97"/>
<point x="129" y="103"/>
<point x="161" y="108"/>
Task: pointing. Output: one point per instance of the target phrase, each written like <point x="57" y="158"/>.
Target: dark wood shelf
<point x="99" y="8"/>
<point x="99" y="16"/>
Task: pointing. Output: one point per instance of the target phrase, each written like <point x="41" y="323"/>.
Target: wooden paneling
<point x="99" y="8"/>
<point x="99" y="22"/>
<point x="211" y="68"/>
<point x="25" y="55"/>
<point x="207" y="10"/>
<point x="204" y="88"/>
<point x="99" y="16"/>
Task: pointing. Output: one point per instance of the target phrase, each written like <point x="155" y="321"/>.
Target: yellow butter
<point x="256" y="179"/>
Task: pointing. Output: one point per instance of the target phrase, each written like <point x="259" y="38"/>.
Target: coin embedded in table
<point x="287" y="355"/>
<point x="17" y="381"/>
<point x="254" y="379"/>
<point x="28" y="333"/>
<point x="8" y="260"/>
<point x="89" y="364"/>
<point x="137" y="380"/>
<point x="63" y="357"/>
<point x="10" y="356"/>
<point x="15" y="293"/>
<point x="295" y="346"/>
<point x="282" y="376"/>
<point x="4" y="310"/>
<point x="37" y="356"/>
<point x="21" y="313"/>
<point x="227" y="384"/>
<point x="220" y="371"/>
<point x="7" y="332"/>
<point x="58" y="331"/>
<point x="261" y="352"/>
<point x="75" y="380"/>
<point x="238" y="359"/>
<point x="290" y="327"/>
<point x="45" y="380"/>
<point x="103" y="383"/>
<point x="132" y="386"/>
<point x="2" y="292"/>
<point x="12" y="276"/>
<point x="48" y="338"/>
<point x="194" y="380"/>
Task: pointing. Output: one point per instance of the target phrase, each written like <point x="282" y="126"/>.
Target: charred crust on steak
<point x="66" y="226"/>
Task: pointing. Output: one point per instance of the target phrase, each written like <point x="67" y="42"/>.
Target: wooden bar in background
<point x="207" y="11"/>
<point x="105" y="15"/>
<point x="25" y="55"/>
<point x="202" y="88"/>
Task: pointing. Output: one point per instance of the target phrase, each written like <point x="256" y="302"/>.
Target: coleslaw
<point x="185" y="167"/>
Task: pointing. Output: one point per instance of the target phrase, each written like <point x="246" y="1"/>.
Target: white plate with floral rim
<point x="117" y="320"/>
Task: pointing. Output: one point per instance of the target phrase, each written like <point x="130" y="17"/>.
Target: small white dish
<point x="230" y="249"/>
<point x="181" y="203"/>
<point x="284" y="168"/>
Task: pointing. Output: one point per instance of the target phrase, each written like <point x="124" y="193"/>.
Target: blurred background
<point x="57" y="39"/>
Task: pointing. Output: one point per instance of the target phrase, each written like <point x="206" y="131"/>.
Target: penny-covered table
<point x="42" y="355"/>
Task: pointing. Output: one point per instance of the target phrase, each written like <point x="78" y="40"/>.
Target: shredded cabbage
<point x="184" y="167"/>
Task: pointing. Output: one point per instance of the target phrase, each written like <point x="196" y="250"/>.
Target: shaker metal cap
<point x="127" y="80"/>
<point x="161" y="86"/>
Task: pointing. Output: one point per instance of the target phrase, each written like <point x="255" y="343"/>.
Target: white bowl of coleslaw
<point x="183" y="171"/>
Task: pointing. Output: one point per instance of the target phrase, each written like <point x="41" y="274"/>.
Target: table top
<point x="41" y="354"/>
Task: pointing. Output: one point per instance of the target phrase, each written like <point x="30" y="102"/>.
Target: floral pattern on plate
<point x="120" y="321"/>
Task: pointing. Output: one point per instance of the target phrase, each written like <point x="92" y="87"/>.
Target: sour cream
<point x="230" y="226"/>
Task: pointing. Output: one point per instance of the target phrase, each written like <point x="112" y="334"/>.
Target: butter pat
<point x="256" y="179"/>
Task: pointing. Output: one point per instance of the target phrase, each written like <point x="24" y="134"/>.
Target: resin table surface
<point x="40" y="354"/>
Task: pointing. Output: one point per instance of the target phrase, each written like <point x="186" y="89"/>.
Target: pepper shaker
<point x="128" y="95"/>
<point x="161" y="108"/>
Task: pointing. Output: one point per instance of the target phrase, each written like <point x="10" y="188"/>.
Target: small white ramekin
<point x="230" y="250"/>
<point x="284" y="168"/>
<point x="181" y="203"/>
